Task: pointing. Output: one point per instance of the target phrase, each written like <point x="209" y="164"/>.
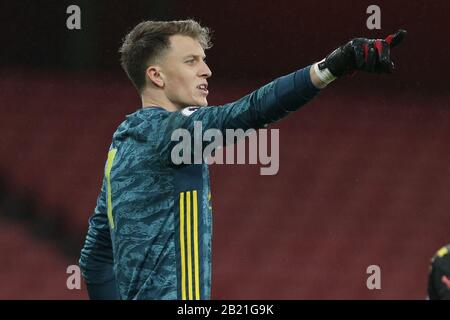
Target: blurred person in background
<point x="439" y="275"/>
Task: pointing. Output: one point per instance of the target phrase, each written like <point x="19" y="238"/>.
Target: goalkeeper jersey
<point x="150" y="234"/>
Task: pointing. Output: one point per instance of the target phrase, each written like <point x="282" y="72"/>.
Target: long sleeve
<point x="96" y="261"/>
<point x="265" y="105"/>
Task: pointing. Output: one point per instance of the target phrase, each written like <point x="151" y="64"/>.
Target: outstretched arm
<point x="285" y="94"/>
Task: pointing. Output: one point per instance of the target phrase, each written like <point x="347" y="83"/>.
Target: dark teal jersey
<point x="150" y="234"/>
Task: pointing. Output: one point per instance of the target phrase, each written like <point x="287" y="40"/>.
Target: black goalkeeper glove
<point x="370" y="55"/>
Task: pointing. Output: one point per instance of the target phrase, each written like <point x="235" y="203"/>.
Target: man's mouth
<point x="203" y="88"/>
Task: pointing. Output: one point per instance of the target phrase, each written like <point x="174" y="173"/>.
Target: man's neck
<point x="163" y="102"/>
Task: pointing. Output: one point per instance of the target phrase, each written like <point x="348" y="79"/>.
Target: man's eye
<point x="190" y="61"/>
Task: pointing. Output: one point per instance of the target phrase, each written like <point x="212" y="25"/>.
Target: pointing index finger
<point x="394" y="39"/>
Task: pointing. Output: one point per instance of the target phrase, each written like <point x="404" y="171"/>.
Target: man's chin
<point x="202" y="103"/>
<point x="196" y="102"/>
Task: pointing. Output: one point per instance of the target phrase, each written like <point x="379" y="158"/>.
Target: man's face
<point x="184" y="72"/>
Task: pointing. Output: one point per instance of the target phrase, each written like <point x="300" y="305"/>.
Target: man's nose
<point x="205" y="71"/>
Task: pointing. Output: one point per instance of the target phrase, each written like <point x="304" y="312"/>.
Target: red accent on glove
<point x="389" y="39"/>
<point x="378" y="46"/>
<point x="366" y="51"/>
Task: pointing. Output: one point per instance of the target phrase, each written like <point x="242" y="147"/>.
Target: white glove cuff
<point x="324" y="75"/>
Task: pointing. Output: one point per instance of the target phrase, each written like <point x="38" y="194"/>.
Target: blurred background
<point x="364" y="168"/>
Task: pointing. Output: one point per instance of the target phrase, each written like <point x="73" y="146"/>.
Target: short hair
<point x="149" y="39"/>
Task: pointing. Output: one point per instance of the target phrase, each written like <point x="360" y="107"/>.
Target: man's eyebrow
<point x="194" y="56"/>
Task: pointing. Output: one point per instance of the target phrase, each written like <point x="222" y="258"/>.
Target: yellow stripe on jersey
<point x="197" y="277"/>
<point x="109" y="163"/>
<point x="189" y="243"/>
<point x="183" y="256"/>
<point x="189" y="249"/>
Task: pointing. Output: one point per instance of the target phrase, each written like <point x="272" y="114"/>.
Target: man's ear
<point x="154" y="75"/>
